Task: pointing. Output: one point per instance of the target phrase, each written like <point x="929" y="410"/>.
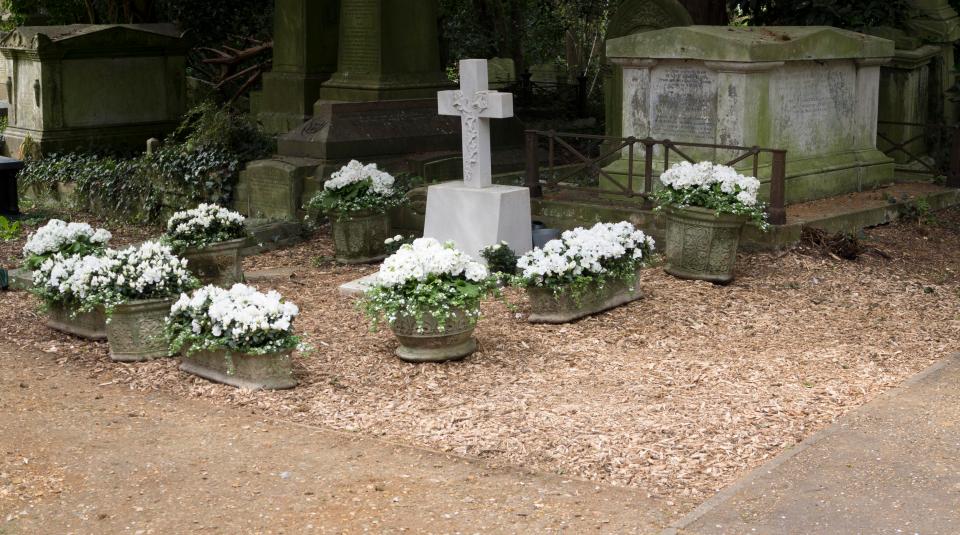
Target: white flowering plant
<point x="583" y="257"/>
<point x="148" y="271"/>
<point x="68" y="239"/>
<point x="241" y="320"/>
<point x="427" y="277"/>
<point x="394" y="244"/>
<point x="71" y="281"/>
<point x="712" y="186"/>
<point x="357" y="188"/>
<point x="202" y="226"/>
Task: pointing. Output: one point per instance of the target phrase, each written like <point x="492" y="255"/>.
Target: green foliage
<point x="500" y="258"/>
<point x="200" y="162"/>
<point x="853" y="14"/>
<point x="9" y="230"/>
<point x="918" y="212"/>
<point x="437" y="296"/>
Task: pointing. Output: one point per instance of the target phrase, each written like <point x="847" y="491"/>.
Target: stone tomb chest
<point x="812" y="91"/>
<point x="97" y="86"/>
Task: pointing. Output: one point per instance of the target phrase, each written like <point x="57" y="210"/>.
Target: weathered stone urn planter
<point x="273" y="371"/>
<point x="135" y="330"/>
<point x="358" y="237"/>
<point x="91" y="325"/>
<point x="563" y="308"/>
<point x="219" y="263"/>
<point x="701" y="244"/>
<point x="431" y="345"/>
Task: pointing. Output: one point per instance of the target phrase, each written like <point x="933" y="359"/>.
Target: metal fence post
<point x="532" y="178"/>
<point x="777" y="210"/>
<point x="648" y="172"/>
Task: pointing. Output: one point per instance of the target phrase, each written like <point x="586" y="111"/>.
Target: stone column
<point x="388" y="50"/>
<point x="304" y="56"/>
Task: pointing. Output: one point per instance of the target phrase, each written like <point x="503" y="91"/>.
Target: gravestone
<point x="501" y="72"/>
<point x="475" y="213"/>
<point x="372" y="109"/>
<point x="304" y="56"/>
<point x="388" y="50"/>
<point x="812" y="91"/>
<point x="545" y="73"/>
<point x="630" y="17"/>
<point x="936" y="23"/>
<point x="102" y="86"/>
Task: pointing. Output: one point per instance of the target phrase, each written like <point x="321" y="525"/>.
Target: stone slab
<point x="476" y="218"/>
<point x="358" y="287"/>
<point x="887" y="467"/>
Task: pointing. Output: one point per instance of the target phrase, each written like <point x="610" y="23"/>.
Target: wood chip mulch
<point x="677" y="394"/>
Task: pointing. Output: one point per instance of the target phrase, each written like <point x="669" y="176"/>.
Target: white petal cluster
<point x="74" y="278"/>
<point x="426" y="257"/>
<point x="241" y="314"/>
<point x="202" y="220"/>
<point x="381" y="182"/>
<point x="704" y="175"/>
<point x="58" y="235"/>
<point x="585" y="252"/>
<point x="148" y="270"/>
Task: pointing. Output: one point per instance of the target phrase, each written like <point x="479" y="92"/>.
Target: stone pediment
<point x="98" y="37"/>
<point x="762" y="43"/>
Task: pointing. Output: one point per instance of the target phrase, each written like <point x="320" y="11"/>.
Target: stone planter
<point x="273" y="371"/>
<point x="358" y="237"/>
<point x="91" y="325"/>
<point x="135" y="330"/>
<point x="431" y="345"/>
<point x="549" y="308"/>
<point x="219" y="263"/>
<point x="701" y="244"/>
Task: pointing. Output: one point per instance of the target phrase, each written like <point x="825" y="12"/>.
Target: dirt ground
<point x="676" y="395"/>
<point x="87" y="457"/>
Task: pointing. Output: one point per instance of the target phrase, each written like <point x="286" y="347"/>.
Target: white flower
<point x="584" y="251"/>
<point x="204" y="224"/>
<point x="705" y="175"/>
<point x="58" y="235"/>
<point x="426" y="257"/>
<point x="381" y="182"/>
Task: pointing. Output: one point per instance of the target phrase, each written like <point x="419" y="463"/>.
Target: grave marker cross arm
<point x="476" y="105"/>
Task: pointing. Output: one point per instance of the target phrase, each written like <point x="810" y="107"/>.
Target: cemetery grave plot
<point x="677" y="394"/>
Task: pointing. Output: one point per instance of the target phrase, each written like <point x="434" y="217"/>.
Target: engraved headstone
<point x="812" y="91"/>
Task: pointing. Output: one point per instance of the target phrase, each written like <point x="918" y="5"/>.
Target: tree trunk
<point x="710" y="12"/>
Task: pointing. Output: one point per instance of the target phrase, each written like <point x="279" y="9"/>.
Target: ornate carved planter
<point x="218" y="263"/>
<point x="549" y="308"/>
<point x="431" y="345"/>
<point x="91" y="325"/>
<point x="358" y="237"/>
<point x="135" y="330"/>
<point x="273" y="371"/>
<point x="701" y="244"/>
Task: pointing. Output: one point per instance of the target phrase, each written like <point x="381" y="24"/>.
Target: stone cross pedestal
<point x="475" y="213"/>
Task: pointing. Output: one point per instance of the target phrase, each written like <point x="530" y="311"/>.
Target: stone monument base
<point x="476" y="218"/>
<point x="128" y="136"/>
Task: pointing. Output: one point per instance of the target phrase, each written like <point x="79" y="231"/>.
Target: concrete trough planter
<point x="358" y="237"/>
<point x="549" y="308"/>
<point x="702" y="245"/>
<point x="90" y="325"/>
<point x="273" y="371"/>
<point x="135" y="330"/>
<point x="219" y="263"/>
<point x="432" y="345"/>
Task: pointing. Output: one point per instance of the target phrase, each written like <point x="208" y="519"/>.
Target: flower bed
<point x="706" y="205"/>
<point x="239" y="336"/>
<point x="67" y="239"/>
<point x="584" y="272"/>
<point x="210" y="238"/>
<point x="356" y="199"/>
<point x="424" y="289"/>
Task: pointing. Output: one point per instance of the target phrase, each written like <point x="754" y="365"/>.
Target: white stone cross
<point x="475" y="105"/>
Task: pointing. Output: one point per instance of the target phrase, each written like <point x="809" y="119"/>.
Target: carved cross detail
<point x="476" y="105"/>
